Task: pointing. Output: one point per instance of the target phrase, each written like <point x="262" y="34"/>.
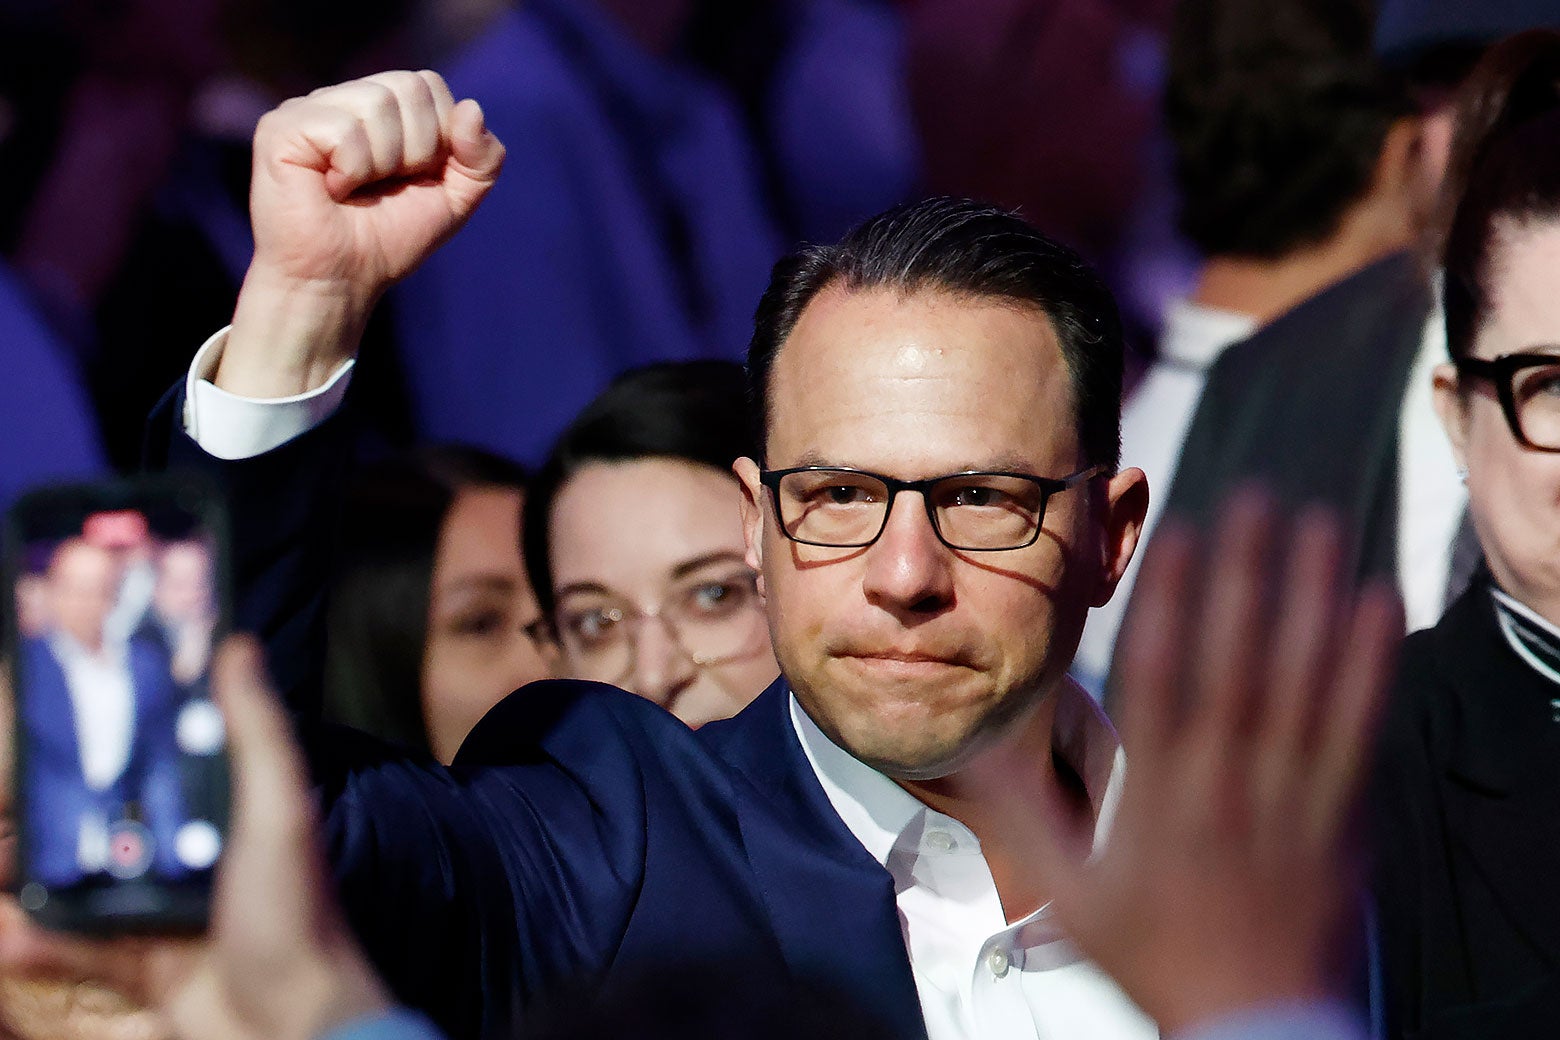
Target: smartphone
<point x="118" y="595"/>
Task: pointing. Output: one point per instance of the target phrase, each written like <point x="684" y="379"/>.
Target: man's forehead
<point x="83" y="558"/>
<point x="975" y="377"/>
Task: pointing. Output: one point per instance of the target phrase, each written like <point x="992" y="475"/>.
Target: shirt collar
<point x="67" y="650"/>
<point x="879" y="812"/>
<point x="1529" y="634"/>
<point x="1195" y="335"/>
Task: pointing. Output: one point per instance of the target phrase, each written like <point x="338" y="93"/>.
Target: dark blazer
<point x="582" y="835"/>
<point x="1467" y="834"/>
<point x="57" y="795"/>
<point x="1308" y="406"/>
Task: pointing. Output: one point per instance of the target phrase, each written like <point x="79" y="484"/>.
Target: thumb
<point x="476" y="156"/>
<point x="274" y="820"/>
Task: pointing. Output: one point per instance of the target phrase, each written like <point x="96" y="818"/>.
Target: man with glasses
<point x="917" y="811"/>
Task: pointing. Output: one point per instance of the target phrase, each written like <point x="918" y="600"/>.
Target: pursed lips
<point x="903" y="661"/>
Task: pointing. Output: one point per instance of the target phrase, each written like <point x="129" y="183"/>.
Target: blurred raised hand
<point x="1252" y="689"/>
<point x="278" y="962"/>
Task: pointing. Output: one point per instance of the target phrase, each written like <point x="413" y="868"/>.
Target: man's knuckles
<point x="361" y="136"/>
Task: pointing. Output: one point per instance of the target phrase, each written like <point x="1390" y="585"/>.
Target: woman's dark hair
<point x="1504" y="170"/>
<point x="392" y="516"/>
<point x="695" y="411"/>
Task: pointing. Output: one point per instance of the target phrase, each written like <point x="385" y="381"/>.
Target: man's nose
<point x="908" y="567"/>
<point x="662" y="668"/>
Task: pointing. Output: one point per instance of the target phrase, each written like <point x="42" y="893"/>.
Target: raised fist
<point x="357" y="183"/>
<point x="354" y="185"/>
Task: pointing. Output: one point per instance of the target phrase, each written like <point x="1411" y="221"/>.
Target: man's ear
<point x="752" y="514"/>
<point x="1399" y="171"/>
<point x="1451" y="410"/>
<point x="1122" y="511"/>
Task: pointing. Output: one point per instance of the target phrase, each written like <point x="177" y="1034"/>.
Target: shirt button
<point x="941" y="840"/>
<point x="997" y="961"/>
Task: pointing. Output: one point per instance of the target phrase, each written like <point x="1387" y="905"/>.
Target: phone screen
<point x="121" y="769"/>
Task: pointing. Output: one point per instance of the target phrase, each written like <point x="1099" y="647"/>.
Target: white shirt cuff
<point x="232" y="427"/>
<point x="1322" y="1020"/>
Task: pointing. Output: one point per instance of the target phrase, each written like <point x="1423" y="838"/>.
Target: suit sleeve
<point x="282" y="508"/>
<point x="473" y="889"/>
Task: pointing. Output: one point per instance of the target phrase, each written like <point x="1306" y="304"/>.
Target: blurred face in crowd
<point x="183" y="590"/>
<point x="1513" y="490"/>
<point x="913" y="656"/>
<point x="652" y="589"/>
<point x="83" y="586"/>
<point x="480" y="609"/>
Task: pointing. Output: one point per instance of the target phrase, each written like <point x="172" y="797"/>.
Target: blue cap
<point x="1405" y="28"/>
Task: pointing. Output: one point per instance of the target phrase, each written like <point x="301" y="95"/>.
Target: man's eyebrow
<point x="1005" y="462"/>
<point x="687" y="567"/>
<point x="1002" y="462"/>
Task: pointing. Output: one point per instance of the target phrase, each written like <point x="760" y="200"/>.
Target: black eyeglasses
<point x="972" y="512"/>
<point x="1528" y="387"/>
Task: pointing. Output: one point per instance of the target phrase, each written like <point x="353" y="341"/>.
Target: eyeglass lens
<point x="713" y="617"/>
<point x="1536" y="393"/>
<point x="974" y="511"/>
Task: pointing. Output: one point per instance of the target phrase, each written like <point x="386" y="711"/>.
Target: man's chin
<point x="914" y="755"/>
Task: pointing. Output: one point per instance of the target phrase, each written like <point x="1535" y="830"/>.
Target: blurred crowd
<point x="674" y="149"/>
<point x="1331" y="228"/>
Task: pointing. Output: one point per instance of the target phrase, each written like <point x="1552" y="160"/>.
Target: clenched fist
<point x="353" y="186"/>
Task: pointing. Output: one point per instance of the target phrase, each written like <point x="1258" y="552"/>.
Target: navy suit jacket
<point x="58" y="796"/>
<point x="582" y="835"/>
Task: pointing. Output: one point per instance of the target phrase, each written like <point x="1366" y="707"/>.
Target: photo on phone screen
<point x="121" y="781"/>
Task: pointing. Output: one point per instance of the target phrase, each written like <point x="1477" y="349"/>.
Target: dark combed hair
<point x="1277" y="111"/>
<point x="965" y="249"/>
<point x="692" y="411"/>
<point x="392" y="515"/>
<point x="1504" y="170"/>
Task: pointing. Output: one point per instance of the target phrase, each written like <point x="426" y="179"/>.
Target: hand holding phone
<point x="277" y="962"/>
<point x="120" y="788"/>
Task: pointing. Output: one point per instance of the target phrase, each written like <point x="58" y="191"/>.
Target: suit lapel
<point x="49" y="713"/>
<point x="832" y="905"/>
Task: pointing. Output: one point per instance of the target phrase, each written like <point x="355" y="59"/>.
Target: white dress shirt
<point x="102" y="700"/>
<point x="977" y="974"/>
<point x="232" y="427"/>
<point x="1153" y="428"/>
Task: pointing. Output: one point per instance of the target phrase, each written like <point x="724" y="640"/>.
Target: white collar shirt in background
<point x="1154" y="423"/>
<point x="977" y="974"/>
<point x="1431" y="498"/>
<point x="102" y="700"/>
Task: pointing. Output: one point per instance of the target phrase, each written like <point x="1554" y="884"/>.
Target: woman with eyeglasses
<point x="633" y="538"/>
<point x="1467" y="814"/>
